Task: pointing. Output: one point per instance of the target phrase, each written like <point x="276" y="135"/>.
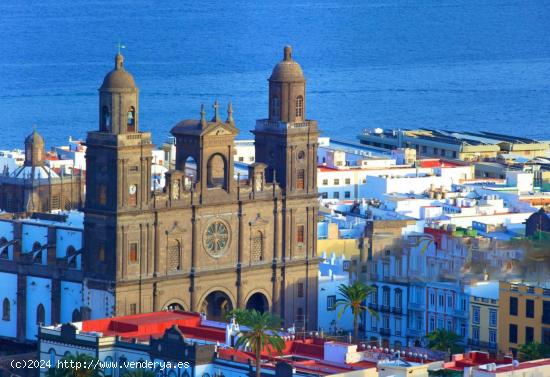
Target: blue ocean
<point x="456" y="65"/>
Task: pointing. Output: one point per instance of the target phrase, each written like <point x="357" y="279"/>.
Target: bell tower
<point x="118" y="176"/>
<point x="287" y="141"/>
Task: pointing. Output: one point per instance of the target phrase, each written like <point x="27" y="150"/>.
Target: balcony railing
<point x="396" y="310"/>
<point x="384" y="331"/>
<point x="415" y="332"/>
<point x="385" y="308"/>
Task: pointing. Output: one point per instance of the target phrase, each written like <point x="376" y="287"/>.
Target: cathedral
<point x="210" y="240"/>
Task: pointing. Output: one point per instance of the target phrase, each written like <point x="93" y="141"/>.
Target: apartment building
<point x="524" y="315"/>
<point x="483" y="325"/>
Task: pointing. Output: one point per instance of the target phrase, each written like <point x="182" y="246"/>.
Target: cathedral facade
<point x="210" y="240"/>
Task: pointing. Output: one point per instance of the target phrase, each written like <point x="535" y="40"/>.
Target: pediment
<point x="175" y="229"/>
<point x="258" y="221"/>
<point x="219" y="129"/>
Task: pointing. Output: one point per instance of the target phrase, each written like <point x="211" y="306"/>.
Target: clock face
<point x="132" y="189"/>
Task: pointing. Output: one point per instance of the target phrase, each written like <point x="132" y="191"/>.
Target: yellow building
<point x="524" y="316"/>
<point x="484" y="306"/>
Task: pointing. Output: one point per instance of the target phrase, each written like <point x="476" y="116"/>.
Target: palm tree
<point x="241" y="315"/>
<point x="139" y="373"/>
<point x="441" y="340"/>
<point x="262" y="334"/>
<point x="534" y="351"/>
<point x="354" y="297"/>
<point x="87" y="367"/>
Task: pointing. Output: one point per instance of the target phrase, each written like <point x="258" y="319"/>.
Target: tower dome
<point x="34" y="149"/>
<point x="287" y="70"/>
<point x="118" y="78"/>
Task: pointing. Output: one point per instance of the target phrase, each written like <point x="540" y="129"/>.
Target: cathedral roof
<point x="203" y="126"/>
<point x="287" y="69"/>
<point x="118" y="78"/>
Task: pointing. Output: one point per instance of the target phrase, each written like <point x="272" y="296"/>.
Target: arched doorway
<point x="216" y="171"/>
<point x="216" y="306"/>
<point x="258" y="302"/>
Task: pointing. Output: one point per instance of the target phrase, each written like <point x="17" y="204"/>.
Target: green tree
<point x="534" y="351"/>
<point x="262" y="334"/>
<point x="79" y="365"/>
<point x="354" y="297"/>
<point x="442" y="340"/>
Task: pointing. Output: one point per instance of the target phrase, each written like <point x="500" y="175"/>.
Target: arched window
<point x="105" y="119"/>
<point x="71" y="258"/>
<point x="299" y="106"/>
<point x="3" y="248"/>
<point x="276" y="106"/>
<point x="257" y="246"/>
<point x="108" y="366"/>
<point x="36" y="248"/>
<point x="216" y="172"/>
<point x="52" y="354"/>
<point x="76" y="316"/>
<point x="131" y="119"/>
<point x="174" y="256"/>
<point x="40" y="315"/>
<point x="398" y="298"/>
<point x="6" y="309"/>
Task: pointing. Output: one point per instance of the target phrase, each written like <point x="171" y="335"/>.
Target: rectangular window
<point x="449" y="301"/>
<point x="513" y="333"/>
<point x="241" y="159"/>
<point x="347" y="194"/>
<point x="513" y="306"/>
<point x="398" y="326"/>
<point x="386" y="322"/>
<point x="476" y="314"/>
<point x="432" y="324"/>
<point x="436" y="150"/>
<point x="325" y="182"/>
<point x="493" y="317"/>
<point x="336" y="195"/>
<point x="55" y="201"/>
<point x="300" y="179"/>
<point x="529" y="334"/>
<point x="133" y="254"/>
<point x="300" y="314"/>
<point x="530" y="308"/>
<point x="463" y="330"/>
<point x="331" y="303"/>
<point x="441" y="301"/>
<point x="492" y="336"/>
<point x="424" y="149"/>
<point x="300" y="289"/>
<point x="397" y="266"/>
<point x="346" y="265"/>
<point x="300" y="234"/>
<point x="102" y="195"/>
<point x="373" y="323"/>
<point x="432" y="299"/>
<point x="348" y="181"/>
<point x="133" y="309"/>
<point x="336" y="182"/>
<point x="475" y="332"/>
<point x="324" y="195"/>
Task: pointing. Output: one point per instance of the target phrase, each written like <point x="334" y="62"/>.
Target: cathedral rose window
<point x="216" y="238"/>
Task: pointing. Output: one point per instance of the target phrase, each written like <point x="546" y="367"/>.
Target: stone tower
<point x="118" y="183"/>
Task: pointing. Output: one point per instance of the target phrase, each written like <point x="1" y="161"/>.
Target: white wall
<point x="100" y="302"/>
<point x="8" y="289"/>
<point x="33" y="233"/>
<point x="39" y="291"/>
<point x="66" y="238"/>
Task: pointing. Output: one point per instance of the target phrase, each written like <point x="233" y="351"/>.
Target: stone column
<point x="21" y="307"/>
<point x="240" y="298"/>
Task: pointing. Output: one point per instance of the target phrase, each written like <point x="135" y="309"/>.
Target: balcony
<point x="416" y="306"/>
<point x="415" y="333"/>
<point x="385" y="308"/>
<point x="384" y="331"/>
<point x="482" y="344"/>
<point x="397" y="310"/>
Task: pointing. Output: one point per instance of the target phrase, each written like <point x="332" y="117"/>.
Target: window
<point x="463" y="304"/>
<point x="493" y="317"/>
<point x="105" y="119"/>
<point x="131" y="120"/>
<point x="373" y="323"/>
<point x="476" y="314"/>
<point x="300" y="234"/>
<point x="133" y="252"/>
<point x="475" y="332"/>
<point x="76" y="317"/>
<point x="336" y="195"/>
<point x="276" y="106"/>
<point x="441" y="301"/>
<point x="431" y="325"/>
<point x="347" y="194"/>
<point x="299" y="106"/>
<point x="463" y="330"/>
<point x="424" y="149"/>
<point x="241" y="159"/>
<point x="443" y="152"/>
<point x="331" y="302"/>
<point x="6" y="310"/>
<point x="386" y="296"/>
<point x="397" y="266"/>
<point x="513" y="333"/>
<point x="257" y="247"/>
<point x="492" y="336"/>
<point x="432" y="299"/>
<point x="398" y="298"/>
<point x="449" y="301"/>
<point x="398" y="326"/>
<point x="436" y="150"/>
<point x="346" y="265"/>
<point x="513" y="306"/>
<point x="324" y="195"/>
<point x="325" y="182"/>
<point x="529" y="334"/>
<point x="300" y="289"/>
<point x="374" y="295"/>
<point x="529" y="308"/>
<point x="336" y="182"/>
<point x="386" y="321"/>
<point x="40" y="315"/>
<point x="300" y="177"/>
<point x="300" y="314"/>
<point x="348" y="181"/>
<point x="132" y="195"/>
<point x="454" y="154"/>
<point x="102" y="195"/>
<point x="55" y="201"/>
